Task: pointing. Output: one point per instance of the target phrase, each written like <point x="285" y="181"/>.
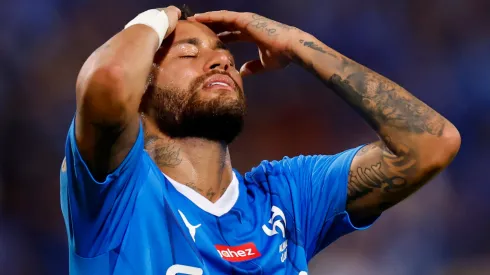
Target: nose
<point x="218" y="60"/>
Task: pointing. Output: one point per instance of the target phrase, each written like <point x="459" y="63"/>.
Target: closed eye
<point x="188" y="56"/>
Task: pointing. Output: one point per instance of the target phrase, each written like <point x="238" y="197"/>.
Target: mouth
<point x="219" y="82"/>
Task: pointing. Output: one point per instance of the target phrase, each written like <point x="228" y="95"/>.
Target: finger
<point x="231" y="37"/>
<point x="252" y="67"/>
<point x="173" y="13"/>
<point x="226" y="17"/>
<point x="219" y="27"/>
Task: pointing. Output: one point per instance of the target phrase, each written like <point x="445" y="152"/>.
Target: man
<point x="147" y="185"/>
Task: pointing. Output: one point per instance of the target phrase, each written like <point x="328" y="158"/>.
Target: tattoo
<point x="366" y="149"/>
<point x="267" y="25"/>
<point x="165" y="154"/>
<point x="210" y="194"/>
<point x="311" y="44"/>
<point x="223" y="190"/>
<point x="387" y="176"/>
<point x="194" y="186"/>
<point x="381" y="101"/>
<point x="384" y="103"/>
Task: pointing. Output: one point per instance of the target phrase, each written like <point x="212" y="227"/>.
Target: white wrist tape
<point x="155" y="19"/>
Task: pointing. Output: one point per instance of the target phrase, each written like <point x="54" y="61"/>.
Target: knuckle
<point x="172" y="9"/>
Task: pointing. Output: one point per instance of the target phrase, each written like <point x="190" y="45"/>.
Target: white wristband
<point x="155" y="19"/>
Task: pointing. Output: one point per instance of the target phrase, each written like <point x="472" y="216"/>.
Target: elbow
<point x="447" y="148"/>
<point x="105" y="83"/>
<point x="101" y="93"/>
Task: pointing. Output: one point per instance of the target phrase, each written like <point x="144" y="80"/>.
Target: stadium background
<point x="438" y="49"/>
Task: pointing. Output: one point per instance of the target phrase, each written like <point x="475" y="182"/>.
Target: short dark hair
<point x="186" y="12"/>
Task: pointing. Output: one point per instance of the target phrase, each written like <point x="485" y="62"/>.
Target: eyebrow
<point x="219" y="45"/>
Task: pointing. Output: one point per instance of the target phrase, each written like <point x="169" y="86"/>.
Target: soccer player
<point x="147" y="185"/>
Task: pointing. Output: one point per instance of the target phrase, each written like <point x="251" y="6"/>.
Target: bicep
<point x="378" y="179"/>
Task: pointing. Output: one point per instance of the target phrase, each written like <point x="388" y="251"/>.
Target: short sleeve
<point x="97" y="213"/>
<point x="320" y="185"/>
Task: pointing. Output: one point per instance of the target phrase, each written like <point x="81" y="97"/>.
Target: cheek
<point x="238" y="78"/>
<point x="175" y="76"/>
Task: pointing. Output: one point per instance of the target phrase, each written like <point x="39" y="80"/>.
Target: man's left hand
<point x="272" y="38"/>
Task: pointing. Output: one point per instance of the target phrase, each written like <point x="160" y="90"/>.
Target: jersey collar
<point x="222" y="206"/>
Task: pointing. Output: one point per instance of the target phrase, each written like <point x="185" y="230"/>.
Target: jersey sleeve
<point x="97" y="213"/>
<point x="319" y="184"/>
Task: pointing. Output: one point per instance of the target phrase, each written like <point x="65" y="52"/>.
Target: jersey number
<point x="183" y="269"/>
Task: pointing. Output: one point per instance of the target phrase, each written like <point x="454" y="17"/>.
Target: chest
<point x="237" y="244"/>
<point x="255" y="238"/>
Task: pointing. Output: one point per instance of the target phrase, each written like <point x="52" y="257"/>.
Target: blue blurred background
<point x="438" y="49"/>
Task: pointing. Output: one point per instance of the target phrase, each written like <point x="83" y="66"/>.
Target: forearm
<point x="401" y="120"/>
<point x="117" y="72"/>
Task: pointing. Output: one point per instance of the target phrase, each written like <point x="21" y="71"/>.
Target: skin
<point x="415" y="141"/>
<point x="191" y="51"/>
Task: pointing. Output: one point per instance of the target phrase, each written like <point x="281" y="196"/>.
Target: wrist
<point x="314" y="56"/>
<point x="299" y="53"/>
<point x="155" y="19"/>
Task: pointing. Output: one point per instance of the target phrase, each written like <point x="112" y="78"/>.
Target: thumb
<point x="252" y="67"/>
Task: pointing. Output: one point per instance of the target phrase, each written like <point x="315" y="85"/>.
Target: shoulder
<point x="275" y="167"/>
<point x="276" y="175"/>
<point x="287" y="166"/>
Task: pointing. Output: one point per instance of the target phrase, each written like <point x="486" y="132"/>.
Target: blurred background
<point x="437" y="49"/>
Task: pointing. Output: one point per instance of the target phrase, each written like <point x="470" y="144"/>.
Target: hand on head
<point x="272" y="38"/>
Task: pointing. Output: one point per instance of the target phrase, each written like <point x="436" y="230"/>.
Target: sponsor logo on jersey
<point x="244" y="252"/>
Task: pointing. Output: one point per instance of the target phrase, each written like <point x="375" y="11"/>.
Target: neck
<point x="202" y="165"/>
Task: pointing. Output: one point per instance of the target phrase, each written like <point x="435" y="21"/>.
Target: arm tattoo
<point x="379" y="100"/>
<point x="316" y="47"/>
<point x="383" y="103"/>
<point x="388" y="175"/>
<point x="391" y="170"/>
<point x="270" y="27"/>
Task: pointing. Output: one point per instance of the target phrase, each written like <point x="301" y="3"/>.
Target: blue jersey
<point x="273" y="220"/>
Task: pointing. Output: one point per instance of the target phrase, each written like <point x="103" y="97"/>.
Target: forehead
<point x="186" y="29"/>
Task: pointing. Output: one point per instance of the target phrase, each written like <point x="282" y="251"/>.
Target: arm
<point x="416" y="141"/>
<point x="109" y="88"/>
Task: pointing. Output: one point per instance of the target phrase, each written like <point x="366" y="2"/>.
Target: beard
<point x="183" y="113"/>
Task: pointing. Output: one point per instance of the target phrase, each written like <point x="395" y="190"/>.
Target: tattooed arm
<point x="416" y="141"/>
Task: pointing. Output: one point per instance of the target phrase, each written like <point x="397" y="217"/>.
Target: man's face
<point x="195" y="89"/>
